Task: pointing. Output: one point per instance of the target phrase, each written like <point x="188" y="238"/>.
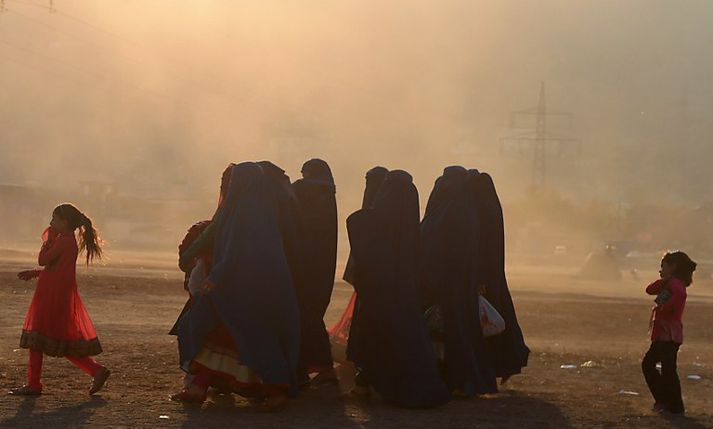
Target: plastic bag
<point x="491" y="321"/>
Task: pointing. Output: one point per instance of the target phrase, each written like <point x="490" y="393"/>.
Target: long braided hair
<point x="89" y="241"/>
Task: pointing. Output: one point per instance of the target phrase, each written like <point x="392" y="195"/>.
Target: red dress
<point x="339" y="333"/>
<point x="57" y="322"/>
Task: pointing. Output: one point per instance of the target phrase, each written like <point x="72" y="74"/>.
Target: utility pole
<point x="538" y="138"/>
<point x="539" y="165"/>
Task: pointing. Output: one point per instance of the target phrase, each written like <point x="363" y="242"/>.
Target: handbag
<point x="491" y="321"/>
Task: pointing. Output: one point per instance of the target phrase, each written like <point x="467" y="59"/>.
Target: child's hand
<point x="663" y="297"/>
<point x="49" y="234"/>
<point x="28" y="274"/>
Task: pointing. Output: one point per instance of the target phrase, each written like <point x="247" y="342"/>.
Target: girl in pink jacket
<point x="667" y="331"/>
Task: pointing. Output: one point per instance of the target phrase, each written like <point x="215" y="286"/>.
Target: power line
<point x="539" y="138"/>
<point x="181" y="64"/>
<point x="101" y="48"/>
<point x="76" y="37"/>
<point x="29" y="3"/>
<point x="197" y="85"/>
<point x="53" y="28"/>
<point x="69" y="65"/>
<point x="67" y="78"/>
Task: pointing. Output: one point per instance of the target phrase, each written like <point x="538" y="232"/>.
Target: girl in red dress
<point x="667" y="331"/>
<point x="57" y="324"/>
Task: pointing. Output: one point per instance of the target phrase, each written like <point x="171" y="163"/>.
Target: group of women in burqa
<point x="261" y="273"/>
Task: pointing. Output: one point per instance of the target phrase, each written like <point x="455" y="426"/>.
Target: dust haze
<point x="132" y="109"/>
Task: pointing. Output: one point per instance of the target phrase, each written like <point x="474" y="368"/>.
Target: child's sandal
<point x="99" y="380"/>
<point x="25" y="390"/>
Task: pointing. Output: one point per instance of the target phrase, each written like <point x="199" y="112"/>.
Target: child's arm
<point x="656" y="287"/>
<point x="186" y="257"/>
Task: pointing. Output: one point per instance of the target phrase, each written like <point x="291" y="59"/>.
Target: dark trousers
<point x="664" y="386"/>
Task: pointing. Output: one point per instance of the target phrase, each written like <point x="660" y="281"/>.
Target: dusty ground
<point x="565" y="321"/>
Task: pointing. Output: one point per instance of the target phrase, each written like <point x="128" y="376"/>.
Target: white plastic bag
<point x="491" y="321"/>
<point x="197" y="278"/>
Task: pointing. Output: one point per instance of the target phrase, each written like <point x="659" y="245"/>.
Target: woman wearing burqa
<point x="317" y="213"/>
<point x="245" y="327"/>
<point x="391" y="348"/>
<point x="449" y="284"/>
<point x="507" y="350"/>
<point x="339" y="333"/>
<point x="288" y="215"/>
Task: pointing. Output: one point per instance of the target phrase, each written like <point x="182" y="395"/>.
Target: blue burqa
<point x="253" y="295"/>
<point x="374" y="178"/>
<point x="392" y="345"/>
<point x="288" y="218"/>
<point x="314" y="281"/>
<point x="507" y="350"/>
<point x="449" y="280"/>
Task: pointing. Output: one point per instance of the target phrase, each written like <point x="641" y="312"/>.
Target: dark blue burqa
<point x="507" y="350"/>
<point x="374" y="178"/>
<point x="314" y="281"/>
<point x="449" y="279"/>
<point x="392" y="345"/>
<point x="253" y="295"/>
<point x="288" y="217"/>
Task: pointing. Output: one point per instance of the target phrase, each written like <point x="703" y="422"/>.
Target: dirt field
<point x="566" y="321"/>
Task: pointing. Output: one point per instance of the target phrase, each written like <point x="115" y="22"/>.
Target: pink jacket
<point x="667" y="324"/>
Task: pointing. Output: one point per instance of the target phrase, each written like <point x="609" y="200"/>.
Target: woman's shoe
<point x="673" y="413"/>
<point x="461" y="394"/>
<point x="325" y="377"/>
<point x="188" y="397"/>
<point x="659" y="407"/>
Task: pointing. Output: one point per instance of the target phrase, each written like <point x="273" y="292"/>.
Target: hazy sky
<point x="160" y="95"/>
